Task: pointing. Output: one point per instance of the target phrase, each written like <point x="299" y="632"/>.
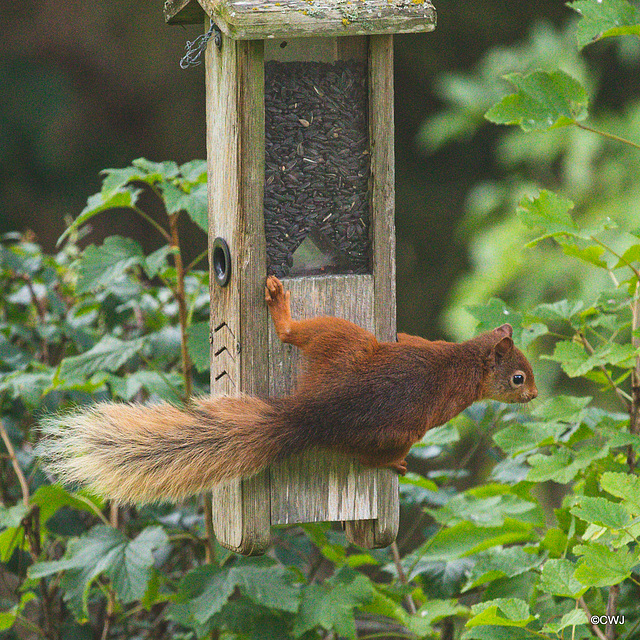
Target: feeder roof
<point x="260" y="19"/>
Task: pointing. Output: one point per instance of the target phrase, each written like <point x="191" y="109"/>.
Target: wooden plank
<point x="235" y="166"/>
<point x="261" y="19"/>
<point x="382" y="207"/>
<point x="183" y="12"/>
<point x="339" y="488"/>
<point x="383" y="531"/>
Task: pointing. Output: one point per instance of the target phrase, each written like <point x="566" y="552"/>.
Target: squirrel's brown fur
<point x="367" y="399"/>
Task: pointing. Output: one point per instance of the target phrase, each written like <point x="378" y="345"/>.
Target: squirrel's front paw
<point x="274" y="294"/>
<point x="273" y="290"/>
<point x="278" y="302"/>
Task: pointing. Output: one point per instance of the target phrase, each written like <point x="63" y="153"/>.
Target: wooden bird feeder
<point x="299" y="104"/>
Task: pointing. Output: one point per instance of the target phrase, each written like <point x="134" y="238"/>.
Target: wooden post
<point x="382" y="531"/>
<point x="235" y="167"/>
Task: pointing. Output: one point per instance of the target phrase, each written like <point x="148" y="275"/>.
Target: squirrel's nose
<point x="533" y="393"/>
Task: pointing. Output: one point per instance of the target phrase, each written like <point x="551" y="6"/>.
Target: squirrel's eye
<point x="517" y="380"/>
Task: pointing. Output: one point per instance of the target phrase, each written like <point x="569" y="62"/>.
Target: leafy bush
<point x="487" y="557"/>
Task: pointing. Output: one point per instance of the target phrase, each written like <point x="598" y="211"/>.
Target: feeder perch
<point x="299" y="103"/>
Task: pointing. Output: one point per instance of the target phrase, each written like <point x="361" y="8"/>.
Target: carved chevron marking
<point x="223" y="365"/>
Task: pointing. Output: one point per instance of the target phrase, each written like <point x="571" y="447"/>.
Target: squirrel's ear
<point x="503" y="347"/>
<point x="505" y="329"/>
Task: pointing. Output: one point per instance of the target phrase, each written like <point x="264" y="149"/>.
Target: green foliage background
<point x="519" y="525"/>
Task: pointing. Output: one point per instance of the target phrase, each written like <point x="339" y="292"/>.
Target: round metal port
<point x="221" y="262"/>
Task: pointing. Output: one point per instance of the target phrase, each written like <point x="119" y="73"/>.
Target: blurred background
<point x="90" y="85"/>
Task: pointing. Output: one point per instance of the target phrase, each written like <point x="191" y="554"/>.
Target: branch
<point x="611" y="136"/>
<point x="612" y="605"/>
<point x="195" y="261"/>
<point x="594" y="628"/>
<point x="182" y="304"/>
<point x="619" y="393"/>
<point x="210" y="549"/>
<point x="16" y="467"/>
<point x="402" y="576"/>
<point x="153" y="223"/>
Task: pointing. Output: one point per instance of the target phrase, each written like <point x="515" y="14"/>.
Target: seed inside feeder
<point x="316" y="165"/>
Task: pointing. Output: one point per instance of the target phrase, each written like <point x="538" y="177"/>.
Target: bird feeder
<point x="299" y="104"/>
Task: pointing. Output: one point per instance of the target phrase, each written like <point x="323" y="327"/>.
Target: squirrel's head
<point x="509" y="377"/>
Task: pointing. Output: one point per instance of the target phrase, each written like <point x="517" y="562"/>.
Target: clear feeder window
<point x="316" y="197"/>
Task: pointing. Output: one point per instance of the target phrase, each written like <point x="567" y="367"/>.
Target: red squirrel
<point x="367" y="399"/>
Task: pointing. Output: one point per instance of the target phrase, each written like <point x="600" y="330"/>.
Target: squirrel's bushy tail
<point x="135" y="453"/>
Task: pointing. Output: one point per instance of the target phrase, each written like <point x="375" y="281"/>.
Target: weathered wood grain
<point x="382" y="531"/>
<point x="183" y="12"/>
<point x="235" y="165"/>
<point x="260" y="19"/>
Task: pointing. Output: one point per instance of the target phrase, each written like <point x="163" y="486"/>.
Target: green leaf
<point x="125" y="198"/>
<point x="625" y="486"/>
<point x="500" y="563"/>
<point x="559" y="465"/>
<point x="562" y="408"/>
<point x="557" y="579"/>
<point x="532" y="332"/>
<point x="194" y="171"/>
<point x="604" y="19"/>
<point x="572" y="357"/>
<point x="416" y="480"/>
<point x="524" y="437"/>
<point x="199" y="346"/>
<point x="128" y="563"/>
<point x="488" y="511"/>
<point x="440" y="436"/>
<point x="548" y="212"/>
<point x="574" y="618"/>
<point x="166" y="170"/>
<point x="576" y="362"/>
<point x="12" y="516"/>
<point x="108" y="355"/>
<point x="156" y="262"/>
<point x="602" y="512"/>
<point x="502" y="612"/>
<point x="631" y="255"/>
<point x="9" y="616"/>
<point x="51" y="498"/>
<point x="207" y="589"/>
<point x="194" y="202"/>
<point x="466" y="538"/>
<point x="604" y="567"/>
<point x="330" y="605"/>
<point x="271" y="586"/>
<point x="563" y="310"/>
<point x="544" y="100"/>
<point x="592" y="255"/>
<point x="168" y="386"/>
<point x="100" y="266"/>
<point x="431" y="612"/>
<point x="494" y="314"/>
